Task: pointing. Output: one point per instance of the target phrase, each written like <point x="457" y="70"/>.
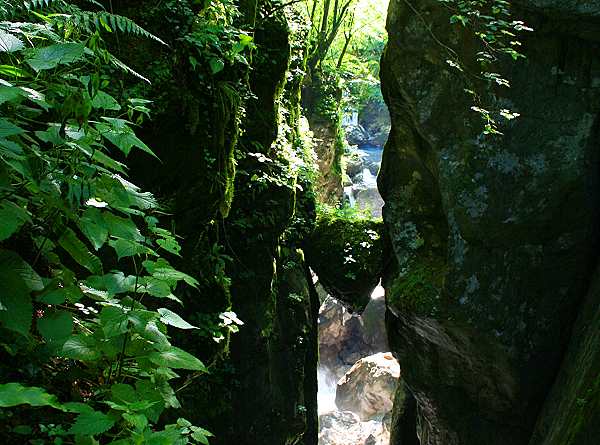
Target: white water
<point x="363" y="191"/>
<point x="369" y="180"/>
<point x="349" y="194"/>
<point x="326" y="393"/>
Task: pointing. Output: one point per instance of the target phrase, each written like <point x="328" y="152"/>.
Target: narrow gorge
<point x="316" y="222"/>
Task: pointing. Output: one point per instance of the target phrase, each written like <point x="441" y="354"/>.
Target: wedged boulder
<point x="333" y="317"/>
<point x="346" y="428"/>
<point x="368" y="388"/>
<point x="346" y="254"/>
<point x="341" y="341"/>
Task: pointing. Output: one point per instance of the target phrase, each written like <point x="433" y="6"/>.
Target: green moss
<point x="346" y="254"/>
<point x="418" y="290"/>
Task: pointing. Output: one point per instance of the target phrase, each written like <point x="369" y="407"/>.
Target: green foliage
<point x="81" y="254"/>
<point x="216" y="40"/>
<point x="491" y="22"/>
<point x="345" y="212"/>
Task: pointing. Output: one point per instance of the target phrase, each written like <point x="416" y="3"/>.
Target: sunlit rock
<point x="368" y="388"/>
<point x="345" y="338"/>
<point x="346" y="428"/>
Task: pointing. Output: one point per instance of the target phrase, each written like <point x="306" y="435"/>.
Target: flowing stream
<point x="362" y="170"/>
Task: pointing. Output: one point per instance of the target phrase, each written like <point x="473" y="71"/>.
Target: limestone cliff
<point x="493" y="240"/>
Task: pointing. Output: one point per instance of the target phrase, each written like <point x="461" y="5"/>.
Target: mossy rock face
<point x="321" y="99"/>
<point x="419" y="289"/>
<point x="262" y="385"/>
<point x="490" y="239"/>
<point x="346" y="254"/>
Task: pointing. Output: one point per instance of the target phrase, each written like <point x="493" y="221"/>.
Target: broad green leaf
<point x="17" y="280"/>
<point x="11" y="149"/>
<point x="115" y="283"/>
<point x="125" y="248"/>
<point x="139" y="421"/>
<point x="107" y="161"/>
<point x="123" y="228"/>
<point x="114" y="321"/>
<point x="162" y="270"/>
<point x="122" y="136"/>
<point x="155" y="287"/>
<point x="51" y="56"/>
<point x="123" y="393"/>
<point x="146" y="390"/>
<point x="105" y="101"/>
<point x="172" y="319"/>
<point x="81" y="347"/>
<point x="56" y="326"/>
<point x="77" y="407"/>
<point x="93" y="226"/>
<point x="166" y="437"/>
<point x="169" y="244"/>
<point x="120" y="193"/>
<point x="153" y="333"/>
<point x="14" y="263"/>
<point x="216" y="65"/>
<point x="178" y="359"/>
<point x="80" y="253"/>
<point x="92" y="423"/>
<point x="12" y="217"/>
<point x="139" y="318"/>
<point x="58" y="296"/>
<point x="9" y="43"/>
<point x="9" y="129"/>
<point x="201" y="435"/>
<point x="13" y="394"/>
<point x="9" y="93"/>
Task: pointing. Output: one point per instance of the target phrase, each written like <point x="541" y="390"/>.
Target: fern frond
<point x="102" y="20"/>
<point x="126" y="25"/>
<point x="116" y="62"/>
<point x="90" y="21"/>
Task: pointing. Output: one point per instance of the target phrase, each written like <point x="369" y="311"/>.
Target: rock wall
<point x="492" y="241"/>
<point x="571" y="413"/>
<point x="227" y="142"/>
<point x="321" y="99"/>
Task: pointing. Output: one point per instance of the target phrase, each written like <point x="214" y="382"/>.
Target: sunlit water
<point x="327" y="386"/>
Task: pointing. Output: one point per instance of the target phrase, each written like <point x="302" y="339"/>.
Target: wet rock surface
<point x="346" y="428"/>
<point x="345" y="338"/>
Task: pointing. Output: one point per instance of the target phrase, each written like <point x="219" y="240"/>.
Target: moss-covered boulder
<point x="346" y="254"/>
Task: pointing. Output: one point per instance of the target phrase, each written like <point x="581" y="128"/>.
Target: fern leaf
<point x="126" y="68"/>
<point x="127" y="25"/>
